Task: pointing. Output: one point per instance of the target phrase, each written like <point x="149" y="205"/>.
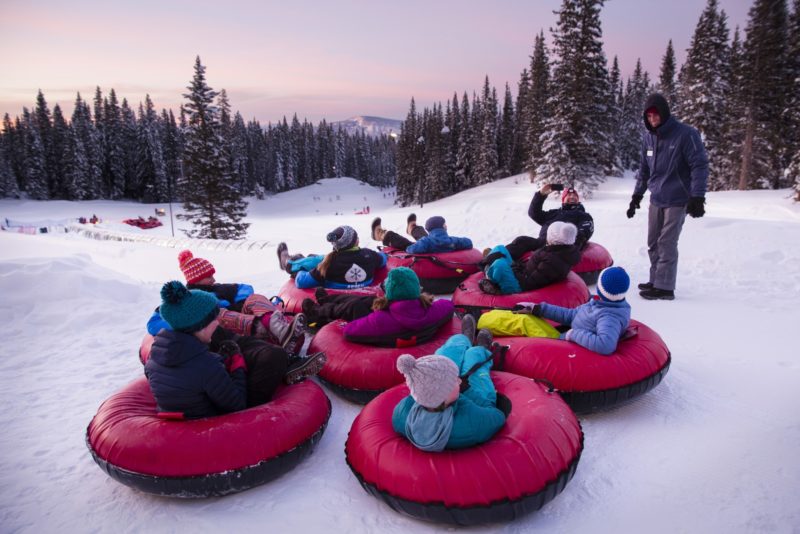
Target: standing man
<point x="674" y="167"/>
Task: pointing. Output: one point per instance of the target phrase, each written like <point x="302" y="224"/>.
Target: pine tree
<point x="520" y="154"/>
<point x="506" y="136"/>
<point x="60" y="146"/>
<point x="734" y="124"/>
<point x="666" y="77"/>
<point x="86" y="139"/>
<point x="115" y="158"/>
<point x="44" y="122"/>
<point x="463" y="165"/>
<point x="615" y="103"/>
<point x="151" y="172"/>
<point x="702" y="80"/>
<point x="576" y="141"/>
<point x="765" y="95"/>
<point x="632" y="123"/>
<point x="35" y="163"/>
<point x="538" y="105"/>
<point x="8" y="182"/>
<point x="485" y="170"/>
<point x="792" y="137"/>
<point x="211" y="202"/>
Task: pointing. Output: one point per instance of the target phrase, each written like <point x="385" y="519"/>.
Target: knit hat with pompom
<point x="430" y="379"/>
<point x="342" y="238"/>
<point x="194" y="269"/>
<point x="561" y="233"/>
<point x="402" y="284"/>
<point x="613" y="283"/>
<point x="187" y="310"/>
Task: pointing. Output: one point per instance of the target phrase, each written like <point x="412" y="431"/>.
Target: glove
<point x="695" y="207"/>
<point x="634" y="205"/>
<point x="228" y="348"/>
<point x="529" y="308"/>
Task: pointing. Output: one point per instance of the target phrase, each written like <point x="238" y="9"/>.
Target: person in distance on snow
<point x="432" y="238"/>
<point x="347" y="266"/>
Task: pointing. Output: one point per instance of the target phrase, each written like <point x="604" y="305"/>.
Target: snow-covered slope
<point x="370" y="125"/>
<point x="711" y="449"/>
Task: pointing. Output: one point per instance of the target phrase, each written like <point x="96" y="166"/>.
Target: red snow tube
<point x="440" y="272"/>
<point x="293" y="296"/>
<point x="524" y="466"/>
<point x="205" y="457"/>
<point x="594" y="259"/>
<point x="570" y="293"/>
<point x="586" y="380"/>
<point x="359" y="372"/>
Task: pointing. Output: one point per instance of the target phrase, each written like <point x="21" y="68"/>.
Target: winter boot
<point x="468" y="327"/>
<point x="321" y="294"/>
<point x="646" y="285"/>
<point x="411" y="223"/>
<point x="377" y="231"/>
<point x="418" y="232"/>
<point x="283" y="257"/>
<point x="301" y="368"/>
<point x="290" y="333"/>
<point x="657" y="294"/>
<point x="484" y="338"/>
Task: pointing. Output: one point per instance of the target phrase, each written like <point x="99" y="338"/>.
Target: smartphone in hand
<point x="557" y="187"/>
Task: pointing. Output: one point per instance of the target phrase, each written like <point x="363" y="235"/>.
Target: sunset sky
<point x="319" y="59"/>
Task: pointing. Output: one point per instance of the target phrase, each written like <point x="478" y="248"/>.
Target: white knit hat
<point x="430" y="378"/>
<point x="561" y="233"/>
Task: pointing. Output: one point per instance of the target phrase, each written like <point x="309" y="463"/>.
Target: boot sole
<point x="311" y="366"/>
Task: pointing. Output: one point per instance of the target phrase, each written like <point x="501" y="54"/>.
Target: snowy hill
<point x="370" y="125"/>
<point x="711" y="449"/>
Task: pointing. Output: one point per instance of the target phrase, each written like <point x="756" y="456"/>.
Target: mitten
<point x="228" y="348"/>
<point x="695" y="207"/>
<point x="634" y="205"/>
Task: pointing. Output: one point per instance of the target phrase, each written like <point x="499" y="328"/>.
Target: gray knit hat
<point x="561" y="233"/>
<point x="430" y="379"/>
<point x="343" y="237"/>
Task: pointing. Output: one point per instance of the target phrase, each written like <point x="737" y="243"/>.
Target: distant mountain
<point x="370" y="125"/>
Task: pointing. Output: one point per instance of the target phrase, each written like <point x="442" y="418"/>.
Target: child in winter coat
<point x="403" y="313"/>
<point x="242" y="310"/>
<point x="190" y="381"/>
<point x="439" y="413"/>
<point x="432" y="238"/>
<point x="549" y="264"/>
<point x="346" y="267"/>
<point x="599" y="324"/>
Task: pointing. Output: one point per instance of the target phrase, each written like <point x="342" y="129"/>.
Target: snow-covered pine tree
<point x="434" y="184"/>
<point x="506" y="136"/>
<point x="702" y="84"/>
<point x="575" y="142"/>
<point x="172" y="150"/>
<point x="59" y="147"/>
<point x="452" y="124"/>
<point x="733" y="124"/>
<point x="485" y="170"/>
<point x="615" y="119"/>
<point x="75" y="166"/>
<point x="765" y="95"/>
<point x="463" y="168"/>
<point x="792" y="137"/>
<point x="406" y="156"/>
<point x="35" y="174"/>
<point x="44" y="122"/>
<point x="210" y="201"/>
<point x="520" y="155"/>
<point x="666" y="76"/>
<point x="15" y="146"/>
<point x="114" y="169"/>
<point x="538" y="108"/>
<point x="8" y="182"/>
<point x="87" y="140"/>
<point x="632" y="124"/>
<point x="151" y="172"/>
<point x="240" y="172"/>
<point x="128" y="132"/>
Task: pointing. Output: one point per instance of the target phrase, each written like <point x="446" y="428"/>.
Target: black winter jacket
<point x="185" y="377"/>
<point x="547" y="265"/>
<point x="569" y="213"/>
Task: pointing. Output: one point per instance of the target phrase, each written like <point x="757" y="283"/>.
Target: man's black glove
<point x="634" y="205"/>
<point x="695" y="207"/>
<point x="228" y="348"/>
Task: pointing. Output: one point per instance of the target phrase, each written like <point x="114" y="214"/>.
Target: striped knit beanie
<point x="613" y="283"/>
<point x="187" y="310"/>
<point x="194" y="269"/>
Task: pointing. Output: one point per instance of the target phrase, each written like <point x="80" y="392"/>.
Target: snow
<point x="711" y="449"/>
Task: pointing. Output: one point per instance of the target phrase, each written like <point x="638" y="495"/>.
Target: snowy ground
<point x="711" y="449"/>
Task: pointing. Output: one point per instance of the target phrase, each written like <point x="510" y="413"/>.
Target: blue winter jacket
<point x="438" y="241"/>
<point x="596" y="325"/>
<point x="674" y="164"/>
<point x="186" y="377"/>
<point x="476" y="418"/>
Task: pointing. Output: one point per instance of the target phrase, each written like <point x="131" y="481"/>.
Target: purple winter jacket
<point x="403" y="318"/>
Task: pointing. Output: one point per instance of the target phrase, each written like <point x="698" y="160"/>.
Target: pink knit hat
<point x="194" y="269"/>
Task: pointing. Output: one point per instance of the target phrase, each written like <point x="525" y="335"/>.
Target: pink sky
<point x="325" y="59"/>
